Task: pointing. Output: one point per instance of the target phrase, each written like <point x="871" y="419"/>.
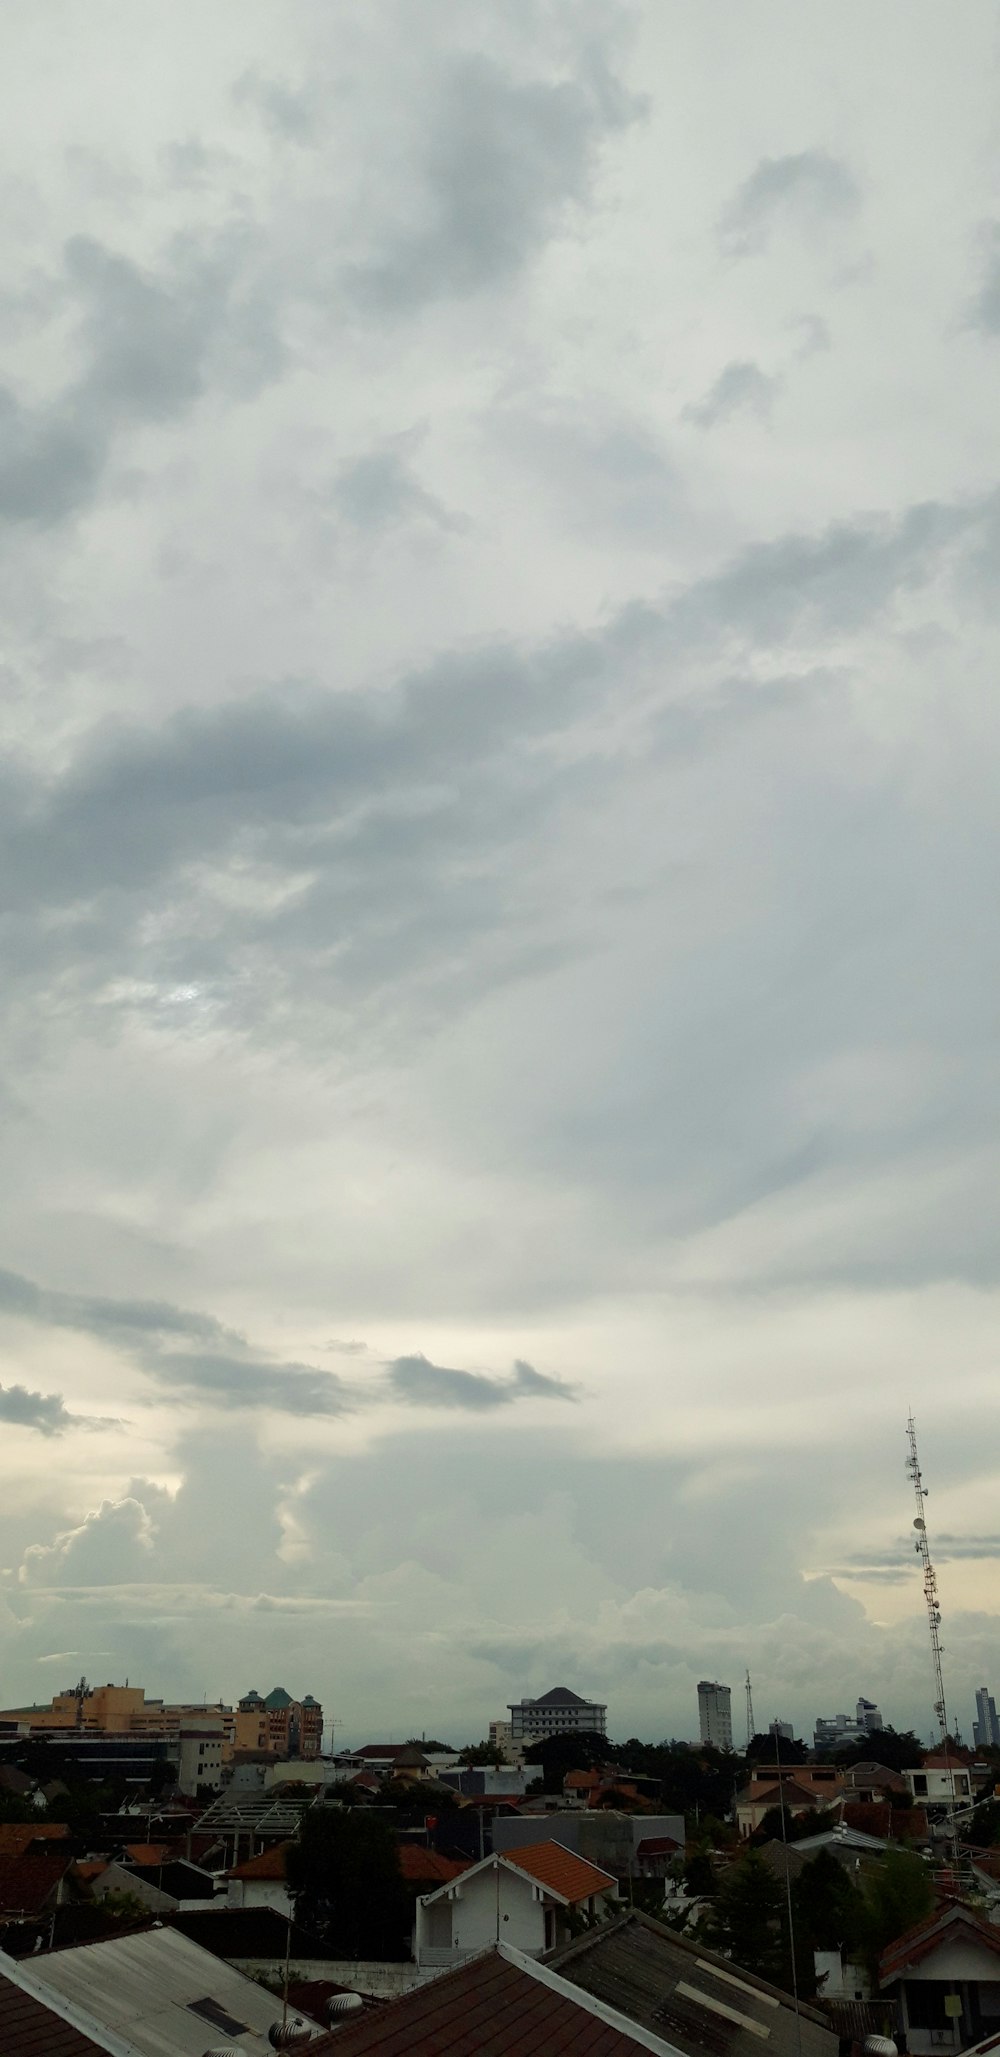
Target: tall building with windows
<point x="557" y="1713"/>
<point x="986" y="1727"/>
<point x="715" y="1714"/>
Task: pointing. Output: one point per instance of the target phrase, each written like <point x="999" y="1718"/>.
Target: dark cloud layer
<point x="808" y="188"/>
<point x="434" y="1385"/>
<point x="46" y="1412"/>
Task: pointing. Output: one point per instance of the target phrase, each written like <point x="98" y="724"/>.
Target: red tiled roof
<point x="881" y="1818"/>
<point x="579" y="1781"/>
<point x="31" y="2029"/>
<point x="150" y="1853"/>
<point x="921" y="1940"/>
<point x="270" y="1864"/>
<point x="90" y="1868"/>
<point x="17" y="1836"/>
<point x="491" y="2008"/>
<point x="760" y="1791"/>
<point x="657" y="1846"/>
<point x="567" y="1874"/>
<point x="420" y="1866"/>
<point x="28" y="1883"/>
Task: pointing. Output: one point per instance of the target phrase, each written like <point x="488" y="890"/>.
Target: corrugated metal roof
<point x="145" y="1988"/>
<point x="698" y="2000"/>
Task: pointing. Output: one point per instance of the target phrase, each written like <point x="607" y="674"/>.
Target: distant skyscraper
<point x="782" y="1729"/>
<point x="986" y="1727"/>
<point x="715" y="1717"/>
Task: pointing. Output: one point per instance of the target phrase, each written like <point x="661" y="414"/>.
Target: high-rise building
<point x="557" y="1713"/>
<point x="782" y="1729"/>
<point x="986" y="1727"/>
<point x="715" y="1715"/>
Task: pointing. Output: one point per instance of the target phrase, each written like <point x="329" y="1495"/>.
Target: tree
<point x="984" y="1828"/>
<point x="699" y="1877"/>
<point x="747" y="1918"/>
<point x="481" y="1753"/>
<point x="902" y="1751"/>
<point x="346" y="1885"/>
<point x="795" y="1826"/>
<point x="772" y="1749"/>
<point x="897" y="1894"/>
<point x="828" y="1906"/>
<point x="584" y="1750"/>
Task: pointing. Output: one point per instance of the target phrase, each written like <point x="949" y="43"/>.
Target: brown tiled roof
<point x="657" y="1846"/>
<point x="421" y="1866"/>
<point x="90" y="1868"/>
<point x="149" y="1853"/>
<point x="572" y="1877"/>
<point x="924" y="1937"/>
<point x="770" y="1792"/>
<point x="28" y="1883"/>
<point x="270" y="1864"/>
<point x="30" y="2029"/>
<point x="491" y="2008"/>
<point x="17" y="1836"/>
<point x="881" y="1818"/>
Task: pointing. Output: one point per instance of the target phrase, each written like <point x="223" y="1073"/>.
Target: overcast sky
<point x="498" y="850"/>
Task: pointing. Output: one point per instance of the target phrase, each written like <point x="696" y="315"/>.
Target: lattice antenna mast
<point x="751" y="1731"/>
<point x="930" y="1580"/>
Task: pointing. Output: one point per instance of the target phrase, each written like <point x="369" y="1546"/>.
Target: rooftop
<point x="693" y="1998"/>
<point x="926" y="1936"/>
<point x="155" y="1992"/>
<point x="499" y="2005"/>
<point x="28" y="1884"/>
<point x="31" y="2028"/>
<point x="562" y="1871"/>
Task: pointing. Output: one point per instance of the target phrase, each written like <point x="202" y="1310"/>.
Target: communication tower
<point x="923" y="1550"/>
<point x="751" y="1731"/>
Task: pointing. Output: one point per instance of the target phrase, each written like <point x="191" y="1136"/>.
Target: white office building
<point x="715" y="1714"/>
<point x="557" y="1713"/>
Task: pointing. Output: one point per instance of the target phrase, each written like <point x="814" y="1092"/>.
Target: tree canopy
<point x="346" y="1885"/>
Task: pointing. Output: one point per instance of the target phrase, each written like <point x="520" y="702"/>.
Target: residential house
<point x="945" y="1975"/>
<point x="261" y="1881"/>
<point x="164" y="1887"/>
<point x="696" y="2000"/>
<point x="35" y="1882"/>
<point x="524" y="1899"/>
<point x="502" y="2002"/>
<point x="940" y="1782"/>
<point x="795" y="1790"/>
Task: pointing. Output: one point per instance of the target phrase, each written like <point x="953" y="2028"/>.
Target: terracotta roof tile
<point x="561" y="1869"/>
<point x="490" y="2008"/>
<point x="919" y="1941"/>
<point x="28" y="1883"/>
<point x="270" y="1864"/>
<point x="419" y="1866"/>
<point x="30" y="2029"/>
<point x="17" y="1836"/>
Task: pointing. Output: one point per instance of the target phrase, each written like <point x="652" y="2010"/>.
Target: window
<point x="920" y="1782"/>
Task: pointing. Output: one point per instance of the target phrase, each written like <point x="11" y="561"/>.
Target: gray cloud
<point x="808" y="187"/>
<point x="434" y="1385"/>
<point x="504" y="161"/>
<point x="985" y="310"/>
<point x="149" y="342"/>
<point x="46" y="1412"/>
<point x="740" y="388"/>
<point x="381" y="488"/>
<point x="246" y="1382"/>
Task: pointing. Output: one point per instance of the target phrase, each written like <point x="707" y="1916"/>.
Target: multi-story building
<point x="278" y="1724"/>
<point x="782" y="1729"/>
<point x="986" y="1727"/>
<point x="715" y="1715"/>
<point x="116" y="1711"/>
<point x="502" y="1741"/>
<point x="556" y="1713"/>
<point x="837" y="1731"/>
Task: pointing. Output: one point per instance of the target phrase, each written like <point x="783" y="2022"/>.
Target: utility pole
<point x="751" y="1731"/>
<point x="923" y="1550"/>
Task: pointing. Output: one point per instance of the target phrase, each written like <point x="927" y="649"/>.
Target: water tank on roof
<point x="340" y="2004"/>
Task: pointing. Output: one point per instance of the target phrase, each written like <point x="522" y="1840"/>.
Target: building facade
<point x="715" y="1714"/>
<point x="278" y="1724"/>
<point x="838" y="1731"/>
<point x="557" y="1713"/>
<point x="986" y="1727"/>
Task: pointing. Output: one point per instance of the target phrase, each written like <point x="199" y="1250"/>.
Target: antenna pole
<point x="923" y="1550"/>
